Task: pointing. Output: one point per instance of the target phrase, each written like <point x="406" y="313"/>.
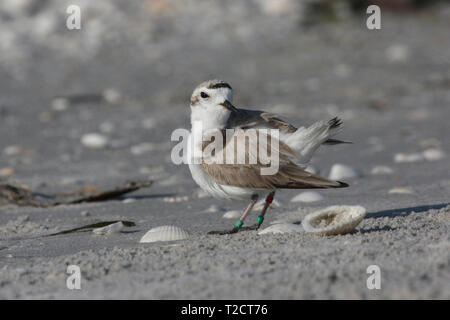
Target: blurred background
<point x="112" y="92"/>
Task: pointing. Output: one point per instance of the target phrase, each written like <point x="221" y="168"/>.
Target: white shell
<point x="164" y="233"/>
<point x="94" y="140"/>
<point x="233" y="214"/>
<point x="433" y="154"/>
<point x="307" y="196"/>
<point x="334" y="220"/>
<point x="109" y="229"/>
<point x="381" y="170"/>
<point x="408" y="157"/>
<point x="400" y="190"/>
<point x="341" y="171"/>
<point x="282" y="228"/>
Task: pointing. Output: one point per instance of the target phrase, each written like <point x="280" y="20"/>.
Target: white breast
<point x="212" y="187"/>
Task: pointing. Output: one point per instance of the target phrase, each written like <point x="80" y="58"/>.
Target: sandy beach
<point x="130" y="84"/>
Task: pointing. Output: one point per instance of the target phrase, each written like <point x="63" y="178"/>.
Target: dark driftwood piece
<point x="22" y="196"/>
<point x="93" y="226"/>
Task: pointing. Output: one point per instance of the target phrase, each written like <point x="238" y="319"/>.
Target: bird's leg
<point x="260" y="218"/>
<point x="240" y="222"/>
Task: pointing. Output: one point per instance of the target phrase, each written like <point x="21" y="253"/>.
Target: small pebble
<point x="94" y="140"/>
<point x="433" y="154"/>
<point x="129" y="200"/>
<point x="175" y="199"/>
<point x="142" y="148"/>
<point x="400" y="190"/>
<point x="112" y="96"/>
<point x="307" y="196"/>
<point x="408" y="157"/>
<point x="341" y="171"/>
<point x="213" y="208"/>
<point x="233" y="214"/>
<point x="60" y="104"/>
<point x="381" y="170"/>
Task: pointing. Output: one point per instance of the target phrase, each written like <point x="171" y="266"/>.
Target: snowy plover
<point x="212" y="111"/>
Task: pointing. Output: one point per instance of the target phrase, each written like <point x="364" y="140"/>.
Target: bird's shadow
<point x="404" y="212"/>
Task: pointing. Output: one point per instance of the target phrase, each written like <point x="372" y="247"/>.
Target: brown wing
<point x="289" y="175"/>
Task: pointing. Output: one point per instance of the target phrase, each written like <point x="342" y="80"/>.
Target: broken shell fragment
<point x="307" y="196"/>
<point x="164" y="233"/>
<point x="282" y="228"/>
<point x="109" y="229"/>
<point x="334" y="220"/>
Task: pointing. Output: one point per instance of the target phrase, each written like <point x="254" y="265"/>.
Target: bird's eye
<point x="204" y="95"/>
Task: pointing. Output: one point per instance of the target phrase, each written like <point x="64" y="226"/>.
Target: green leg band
<point x="260" y="219"/>
<point x="238" y="224"/>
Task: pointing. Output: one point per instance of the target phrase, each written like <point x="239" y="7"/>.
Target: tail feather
<point x="305" y="141"/>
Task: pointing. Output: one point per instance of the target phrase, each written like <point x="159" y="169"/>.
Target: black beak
<point x="227" y="105"/>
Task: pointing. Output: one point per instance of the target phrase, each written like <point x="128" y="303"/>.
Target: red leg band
<point x="269" y="199"/>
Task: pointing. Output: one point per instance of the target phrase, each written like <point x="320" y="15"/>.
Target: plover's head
<point x="211" y="103"/>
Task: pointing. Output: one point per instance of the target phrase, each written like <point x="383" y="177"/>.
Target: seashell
<point x="334" y="220"/>
<point x="109" y="229"/>
<point x="307" y="196"/>
<point x="282" y="228"/>
<point x="233" y="214"/>
<point x="400" y="191"/>
<point x="381" y="170"/>
<point x="164" y="233"/>
<point x="433" y="154"/>
<point x="341" y="171"/>
<point x="94" y="140"/>
<point x="408" y="157"/>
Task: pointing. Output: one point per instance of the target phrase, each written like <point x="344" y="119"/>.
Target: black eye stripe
<point x="204" y="95"/>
